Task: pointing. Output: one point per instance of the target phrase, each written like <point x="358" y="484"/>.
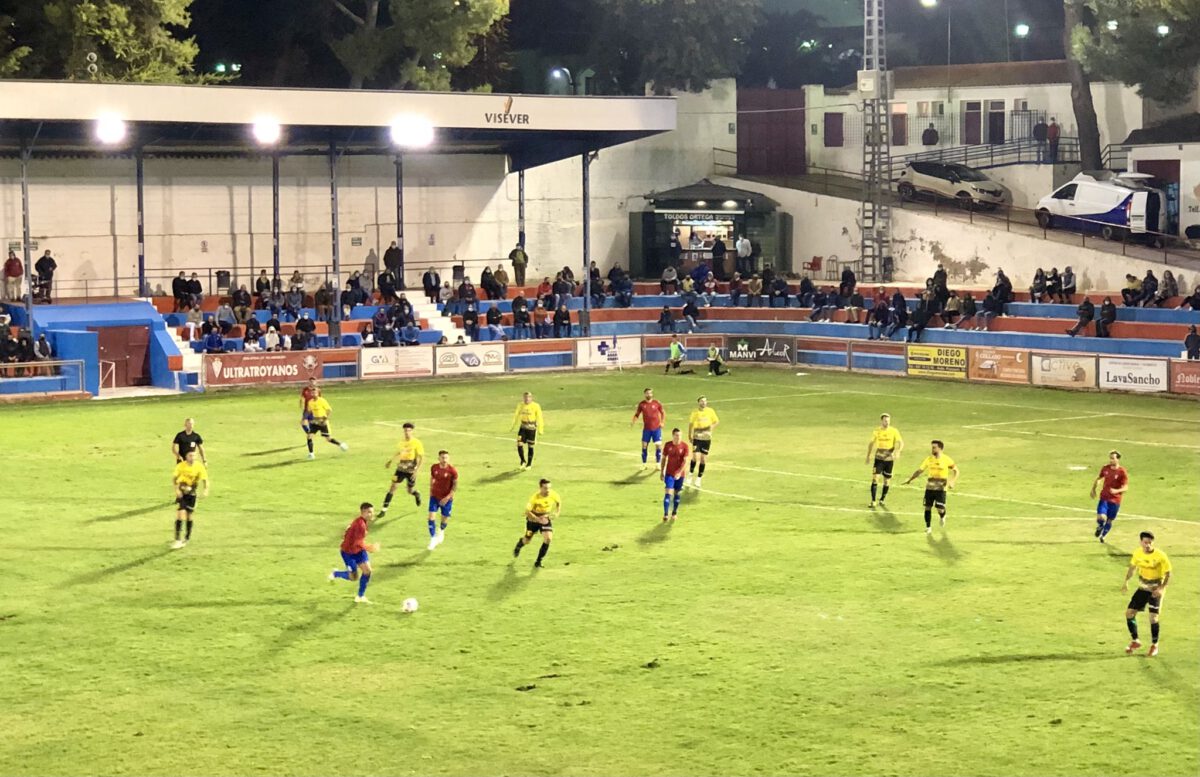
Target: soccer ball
<point x="410" y="605"/>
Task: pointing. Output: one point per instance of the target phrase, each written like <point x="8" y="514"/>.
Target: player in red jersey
<point x="443" y="481"/>
<point x="354" y="553"/>
<point x="672" y="471"/>
<point x="652" y="413"/>
<point x="309" y="391"/>
<point x="1116" y="483"/>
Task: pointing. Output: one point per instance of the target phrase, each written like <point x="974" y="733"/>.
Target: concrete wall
<point x="829" y="227"/>
<point x="217" y="213"/>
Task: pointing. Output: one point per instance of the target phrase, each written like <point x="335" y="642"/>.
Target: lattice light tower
<point x="874" y="83"/>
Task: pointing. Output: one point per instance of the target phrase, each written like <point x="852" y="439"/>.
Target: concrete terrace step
<point x="1163" y="315"/>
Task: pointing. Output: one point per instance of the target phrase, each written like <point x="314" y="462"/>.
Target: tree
<point x="1080" y="25"/>
<point x="1128" y="45"/>
<point x="795" y="49"/>
<point x="671" y="44"/>
<point x="411" y="44"/>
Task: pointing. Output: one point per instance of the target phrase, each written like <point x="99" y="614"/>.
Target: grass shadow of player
<point x="659" y="533"/>
<point x="634" y="478"/>
<point x="403" y="565"/>
<point x="511" y="583"/>
<point x="132" y="513"/>
<point x="499" y="477"/>
<point x="886" y="520"/>
<point x="1020" y="658"/>
<point x="97" y="575"/>
<point x="944" y="549"/>
<point x="320" y="617"/>
<point x="278" y="464"/>
<point x="273" y="450"/>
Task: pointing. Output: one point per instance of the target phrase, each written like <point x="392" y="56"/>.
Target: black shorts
<point x="187" y="502"/>
<point x="533" y="527"/>
<point x="1142" y="600"/>
<point x="405" y="476"/>
<point x="935" y="497"/>
<point x="318" y="427"/>
<point x="527" y="436"/>
<point x="701" y="446"/>
<point x="884" y="467"/>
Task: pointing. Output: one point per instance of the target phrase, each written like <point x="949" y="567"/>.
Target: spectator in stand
<point x="562" y="322"/>
<point x="930" y="136"/>
<point x="43" y="353"/>
<point x="951" y="311"/>
<point x="393" y="260"/>
<point x="387" y="336"/>
<point x="403" y="311"/>
<point x="563" y="287"/>
<point x="1169" y="289"/>
<point x="992" y="307"/>
<point x="1086" y="313"/>
<point x="293" y="302"/>
<point x="754" y="290"/>
<point x="501" y="277"/>
<point x="387" y="286"/>
<point x="241" y="304"/>
<point x="443" y="340"/>
<point x="825" y="305"/>
<point x="568" y="275"/>
<point x="1131" y="291"/>
<point x="263" y="301"/>
<point x="467" y="295"/>
<point x="666" y="322"/>
<point x="253" y="331"/>
<point x="410" y="335"/>
<point x="493" y="319"/>
<point x="323" y="301"/>
<point x="709" y="291"/>
<point x="449" y="300"/>
<point x="522" y="323"/>
<point x="307" y="328"/>
<point x="613" y="273"/>
<point x="195" y="291"/>
<point x="623" y="290"/>
<point x="1192" y="301"/>
<point x="674" y="248"/>
<point x="597" y="285"/>
<point x="10" y="354"/>
<point x="854" y="307"/>
<point x="898" y="312"/>
<point x="969" y="310"/>
<point x="1067" y="295"/>
<point x="225" y="318"/>
<point x="768" y="277"/>
<point x="432" y="283"/>
<point x="778" y="292"/>
<point x="920" y="319"/>
<point x="1003" y="290"/>
<point x="804" y="297"/>
<point x="193" y="322"/>
<point x="745" y="255"/>
<point x="669" y="282"/>
<point x="545" y="292"/>
<point x="1108" y="317"/>
<point x="213" y="342"/>
<point x="542" y="320"/>
<point x="271" y="341"/>
<point x="487" y="282"/>
<point x="359" y="288"/>
<point x="209" y="326"/>
<point x="940" y="286"/>
<point x="380" y="317"/>
<point x="736" y="289"/>
<point x="718" y="256"/>
<point x="1149" y="289"/>
<point x="273" y="323"/>
<point x="471" y="321"/>
<point x="179" y="291"/>
<point x="878" y="320"/>
<point x="848" y="284"/>
<point x="687" y="289"/>
<point x="1191" y="344"/>
<point x="14" y="271"/>
<point x="296" y="281"/>
<point x="1037" y="289"/>
<point x="698" y="274"/>
<point x="368" y="336"/>
<point x="817" y="305"/>
<point x="519" y="260"/>
<point x="262" y="284"/>
<point x="691" y="315"/>
<point x="1053" y="285"/>
<point x="45" y="268"/>
<point x="278" y="303"/>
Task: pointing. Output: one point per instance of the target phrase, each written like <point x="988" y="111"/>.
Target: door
<point x="1062" y="203"/>
<point x="1139" y="205"/>
<point x="899" y="129"/>
<point x="996" y="127"/>
<point x="128" y="348"/>
<point x="1166" y="173"/>
<point x="834" y="130"/>
<point x="973" y="123"/>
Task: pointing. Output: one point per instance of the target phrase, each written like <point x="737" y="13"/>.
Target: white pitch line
<point x="1107" y="440"/>
<point x="1039" y="420"/>
<point x="589" y="449"/>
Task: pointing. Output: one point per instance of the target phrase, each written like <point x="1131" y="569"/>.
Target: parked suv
<point x="965" y="185"/>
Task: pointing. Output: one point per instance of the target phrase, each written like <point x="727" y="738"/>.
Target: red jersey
<point x="355" y="536"/>
<point x="651" y="413"/>
<point x="308" y="393"/>
<point x="675" y="454"/>
<point x="442" y="481"/>
<point x="1114" y="477"/>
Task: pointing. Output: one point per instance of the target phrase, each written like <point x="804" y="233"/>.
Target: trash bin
<point x="222" y="280"/>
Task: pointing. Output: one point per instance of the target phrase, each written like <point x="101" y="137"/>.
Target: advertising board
<point x="244" y="369"/>
<point x="999" y="365"/>
<point x="608" y="352"/>
<point x="472" y="359"/>
<point x="413" y="361"/>
<point x="1142" y="375"/>
<point x="1063" y="370"/>
<point x="1185" y="377"/>
<point x="937" y="361"/>
<point x="759" y="350"/>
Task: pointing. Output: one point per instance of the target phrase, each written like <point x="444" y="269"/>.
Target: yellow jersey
<point x="189" y="475"/>
<point x="319" y="408"/>
<point x="701" y="423"/>
<point x="544" y="505"/>
<point x="1152" y="567"/>
<point x="529" y="416"/>
<point x="408" y="451"/>
<point x="885" y="442"/>
<point x="937" y="469"/>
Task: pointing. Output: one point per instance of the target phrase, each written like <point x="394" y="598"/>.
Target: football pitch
<point x="779" y="627"/>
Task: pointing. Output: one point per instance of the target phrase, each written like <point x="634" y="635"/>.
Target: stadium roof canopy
<point x="59" y="118"/>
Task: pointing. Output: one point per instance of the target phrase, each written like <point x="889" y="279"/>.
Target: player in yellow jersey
<point x="1154" y="572"/>
<point x="701" y="423"/>
<point x="528" y="422"/>
<point x="942" y="474"/>
<point x="318" y="423"/>
<point x="407" y="460"/>
<point x="544" y="506"/>
<point x="186" y="478"/>
<point x="886" y="443"/>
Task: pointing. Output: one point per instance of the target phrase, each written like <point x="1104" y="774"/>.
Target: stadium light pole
<point x="407" y="132"/>
<point x="585" y="318"/>
<point x="521" y="208"/>
<point x="111" y="130"/>
<point x="335" y="237"/>
<point x="267" y="133"/>
<point x="26" y="249"/>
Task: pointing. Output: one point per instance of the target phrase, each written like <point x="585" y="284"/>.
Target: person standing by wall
<point x="14" y="270"/>
<point x="519" y="260"/>
<point x="1052" y="134"/>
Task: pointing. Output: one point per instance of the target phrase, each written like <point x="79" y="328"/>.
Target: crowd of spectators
<point x="21" y="356"/>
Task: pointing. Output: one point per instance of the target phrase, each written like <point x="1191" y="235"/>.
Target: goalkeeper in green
<point x="716" y="362"/>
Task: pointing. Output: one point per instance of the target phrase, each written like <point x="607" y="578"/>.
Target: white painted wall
<point x="1188" y="156"/>
<point x="829" y="227"/>
<point x="217" y="214"/>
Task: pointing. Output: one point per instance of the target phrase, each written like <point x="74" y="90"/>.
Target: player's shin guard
<point x="928" y="517"/>
<point x="658" y="455"/>
<point x="1154" y="632"/>
<point x="643" y="455"/>
<point x="666" y="504"/>
<point x="692" y="467"/>
<point x="1132" y="624"/>
<point x="387" y="500"/>
<point x="432" y="528"/>
<point x="542" y="551"/>
<point x="178" y="527"/>
<point x="310" y="447"/>
<point x="529" y="455"/>
<point x="700" y="471"/>
<point x="675" y="504"/>
<point x="521" y="453"/>
<point x="520" y="544"/>
<point x="883" y="493"/>
<point x="333" y="440"/>
<point x="874" y="489"/>
<point x="362" y="584"/>
<point x="1107" y="528"/>
<point x="341" y="574"/>
<point x="188" y="532"/>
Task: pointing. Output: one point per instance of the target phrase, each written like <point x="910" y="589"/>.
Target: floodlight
<point x="412" y="131"/>
<point x="110" y="129"/>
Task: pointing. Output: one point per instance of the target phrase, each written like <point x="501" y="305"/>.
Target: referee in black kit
<point x="188" y="440"/>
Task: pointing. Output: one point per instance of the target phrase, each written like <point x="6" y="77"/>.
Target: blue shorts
<point x="673" y="483"/>
<point x="354" y="560"/>
<point x="305" y="417"/>
<point x="1108" y="509"/>
<point x="434" y="507"/>
<point x="651" y="435"/>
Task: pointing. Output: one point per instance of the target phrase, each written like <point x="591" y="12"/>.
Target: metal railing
<point x="70" y="371"/>
<point x="983" y="156"/>
<point x="725" y="161"/>
<point x="212" y="280"/>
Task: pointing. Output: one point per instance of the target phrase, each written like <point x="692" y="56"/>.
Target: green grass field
<point x="779" y="627"/>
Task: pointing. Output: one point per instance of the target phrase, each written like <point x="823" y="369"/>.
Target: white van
<point x="1112" y="206"/>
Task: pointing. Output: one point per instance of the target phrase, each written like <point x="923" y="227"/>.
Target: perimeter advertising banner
<point x="759" y="350"/>
<point x="242" y="369"/>
<point x="399" y="362"/>
<point x="999" y="365"/>
<point x="472" y="359"/>
<point x="1063" y="371"/>
<point x="1144" y="375"/>
<point x="1185" y="377"/>
<point x="937" y="361"/>
<point x="608" y="352"/>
